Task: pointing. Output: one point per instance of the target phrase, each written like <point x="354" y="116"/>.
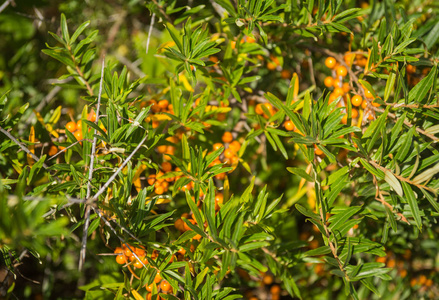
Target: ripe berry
<point x="342" y="71"/>
<point x="166" y="166"/>
<point x="138" y="264"/>
<point x="317" y="150"/>
<point x="163" y="104"/>
<point x="53" y="150"/>
<point x="91" y="116"/>
<point x="330" y="62"/>
<point x="71" y="126"/>
<point x="217" y="146"/>
<point x="157" y="278"/>
<point x="258" y="109"/>
<point x="227" y="137"/>
<point x="159" y="190"/>
<point x="229" y="153"/>
<point x="346" y="88"/>
<point x="121" y="259"/>
<point x="329" y="81"/>
<point x="267" y="279"/>
<point x="289" y="125"/>
<point x="78" y="135"/>
<point x="368" y="94"/>
<point x="165" y="286"/>
<point x="285" y="74"/>
<point x="354" y="113"/>
<point x="235" y="146"/>
<point x="356" y="100"/>
<point x="149" y="287"/>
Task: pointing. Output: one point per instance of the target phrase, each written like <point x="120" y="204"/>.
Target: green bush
<point x="219" y="150"/>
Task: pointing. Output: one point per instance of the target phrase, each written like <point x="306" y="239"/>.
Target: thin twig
<point x="402" y="178"/>
<point x="4" y="5"/>
<point x="379" y="197"/>
<point x="105" y="186"/>
<point x="90" y="176"/>
<point x="21" y="146"/>
<point x="150" y="32"/>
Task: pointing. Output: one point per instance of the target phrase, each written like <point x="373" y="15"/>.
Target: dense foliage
<point x="221" y="149"/>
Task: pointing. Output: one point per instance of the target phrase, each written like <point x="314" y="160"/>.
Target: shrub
<point x="230" y="149"/>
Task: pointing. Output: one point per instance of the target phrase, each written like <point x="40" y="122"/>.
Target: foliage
<point x="225" y="150"/>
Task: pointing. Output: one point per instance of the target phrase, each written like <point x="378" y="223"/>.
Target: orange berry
<point x="289" y="125"/>
<point x="151" y="179"/>
<point x="317" y="150"/>
<point x="330" y="62"/>
<point x="78" y="135"/>
<point x="356" y="100"/>
<point x="140" y="252"/>
<point x="121" y="259"/>
<point x="346" y="88"/>
<point x="179" y="224"/>
<point x="267" y="279"/>
<point x="219" y="198"/>
<point x="165" y="286"/>
<point x="118" y="250"/>
<point x="91" y="116"/>
<point x="233" y="44"/>
<point x="217" y="146"/>
<point x="163" y="104"/>
<point x="329" y="81"/>
<point x="159" y="190"/>
<point x="364" y="104"/>
<point x="227" y="137"/>
<point x="53" y="150"/>
<point x="348" y="57"/>
<point x="338" y="92"/>
<point x="411" y="69"/>
<point x="71" y="126"/>
<point x="344" y="120"/>
<point x="162" y="148"/>
<point x="342" y="71"/>
<point x="166" y="166"/>
<point x="258" y="109"/>
<point x="157" y="278"/>
<point x="149" y="287"/>
<point x="275" y="289"/>
<point x="271" y="66"/>
<point x="332" y="97"/>
<point x="79" y="125"/>
<point x="403" y="273"/>
<point x="368" y="94"/>
<point x="235" y="146"/>
<point x="285" y="74"/>
<point x="354" y="113"/>
<point x="229" y="153"/>
<point x="376" y="104"/>
<point x="137" y="264"/>
<point x="337" y="83"/>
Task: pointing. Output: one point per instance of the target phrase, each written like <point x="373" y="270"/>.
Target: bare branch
<point x="90" y="176"/>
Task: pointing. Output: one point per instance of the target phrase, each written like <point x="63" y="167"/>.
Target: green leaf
<point x="64" y="29"/>
<point x="413" y="203"/>
<point x="393" y="182"/>
<point x="79" y="31"/>
<point x="301" y="173"/>
<point x="420" y="90"/>
<point x="336" y="221"/>
<point x="390" y="82"/>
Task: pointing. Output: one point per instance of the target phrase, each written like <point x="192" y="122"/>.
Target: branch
<point x="105" y="186"/>
<point x="90" y="176"/>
